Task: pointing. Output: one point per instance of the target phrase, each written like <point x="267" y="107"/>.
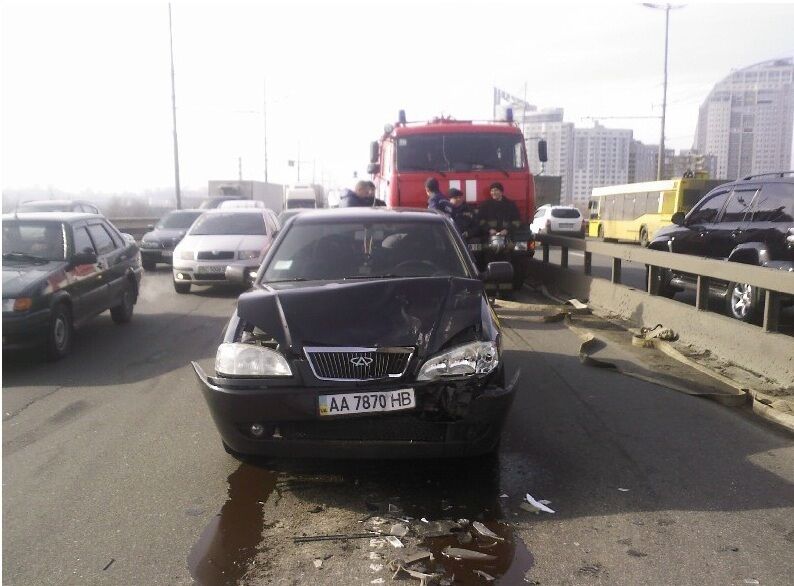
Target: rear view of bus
<point x="635" y="211"/>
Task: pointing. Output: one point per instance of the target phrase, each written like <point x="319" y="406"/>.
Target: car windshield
<point x="565" y="213"/>
<point x="460" y="152"/>
<point x="41" y="206"/>
<point x="32" y="240"/>
<point x="177" y="220"/>
<point x="229" y="223"/>
<point x="358" y="250"/>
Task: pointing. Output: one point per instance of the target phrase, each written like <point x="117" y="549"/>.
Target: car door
<point x="729" y="230"/>
<point x="111" y="263"/>
<point x="699" y="223"/>
<point x="88" y="288"/>
<point x="772" y="217"/>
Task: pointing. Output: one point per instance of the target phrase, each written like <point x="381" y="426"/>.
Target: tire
<point x="149" y="265"/>
<point x="601" y="232"/>
<point x="122" y="313"/>
<point x="181" y="288"/>
<point x="661" y="286"/>
<point x="644" y="240"/>
<point x="59" y="335"/>
<point x="744" y="302"/>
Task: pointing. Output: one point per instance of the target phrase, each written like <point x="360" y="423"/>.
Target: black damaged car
<point x="367" y="334"/>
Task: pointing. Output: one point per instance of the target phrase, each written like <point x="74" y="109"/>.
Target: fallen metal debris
<point x="418" y="557"/>
<point x="459" y="553"/>
<point x="437" y="528"/>
<point x="400" y="572"/>
<point x="485" y="532"/>
<point x="399" y="530"/>
<point x="393" y="541"/>
<point x="464" y="538"/>
<point x="482" y="574"/>
<point x="333" y="537"/>
<point x="318" y="563"/>
<point x="536" y="505"/>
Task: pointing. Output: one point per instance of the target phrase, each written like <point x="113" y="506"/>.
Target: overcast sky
<point x="86" y="93"/>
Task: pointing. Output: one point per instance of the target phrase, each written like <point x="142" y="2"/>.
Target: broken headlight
<point x="234" y="359"/>
<point x="461" y="361"/>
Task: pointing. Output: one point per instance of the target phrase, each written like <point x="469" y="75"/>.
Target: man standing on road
<point x="499" y="215"/>
<point x="362" y="197"/>
<point x="435" y="199"/>
<point x="463" y="214"/>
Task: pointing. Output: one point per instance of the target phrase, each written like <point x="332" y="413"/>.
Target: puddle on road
<point x="228" y="543"/>
<point x="512" y="562"/>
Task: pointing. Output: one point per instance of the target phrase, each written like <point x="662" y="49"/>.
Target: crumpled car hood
<point x="423" y="312"/>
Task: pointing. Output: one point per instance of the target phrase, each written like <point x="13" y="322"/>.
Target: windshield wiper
<point x="384" y="276"/>
<point x="24" y="256"/>
<point x="293" y="280"/>
<point x="486" y="166"/>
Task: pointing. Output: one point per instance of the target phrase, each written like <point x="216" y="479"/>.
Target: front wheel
<point x="644" y="240"/>
<point x="744" y="302"/>
<point x="59" y="336"/>
<point x="122" y="313"/>
<point x="149" y="265"/>
<point x="601" y="233"/>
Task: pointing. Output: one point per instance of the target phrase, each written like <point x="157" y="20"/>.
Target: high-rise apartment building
<point x="601" y="157"/>
<point x="642" y="162"/>
<point x="549" y="126"/>
<point x="746" y="121"/>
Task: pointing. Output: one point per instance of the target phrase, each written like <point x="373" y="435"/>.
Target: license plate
<point x="168" y="253"/>
<point x="343" y="404"/>
<point x="211" y="269"/>
<point x="475" y="247"/>
<point x="566" y="225"/>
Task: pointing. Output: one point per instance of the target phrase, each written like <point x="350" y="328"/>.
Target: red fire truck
<point x="464" y="154"/>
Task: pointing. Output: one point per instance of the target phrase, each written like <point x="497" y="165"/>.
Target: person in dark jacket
<point x="362" y="197"/>
<point x="435" y="199"/>
<point x="463" y="214"/>
<point x="499" y="215"/>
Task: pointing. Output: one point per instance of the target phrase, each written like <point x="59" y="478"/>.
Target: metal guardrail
<point x="137" y="227"/>
<point x="775" y="283"/>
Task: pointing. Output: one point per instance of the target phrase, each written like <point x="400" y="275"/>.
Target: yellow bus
<point x="634" y="212"/>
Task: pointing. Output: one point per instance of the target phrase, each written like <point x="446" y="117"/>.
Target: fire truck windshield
<point x="460" y="152"/>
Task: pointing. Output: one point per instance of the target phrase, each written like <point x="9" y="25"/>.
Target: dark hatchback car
<point x="749" y="221"/>
<point x="157" y="246"/>
<point x="60" y="270"/>
<point x="368" y="333"/>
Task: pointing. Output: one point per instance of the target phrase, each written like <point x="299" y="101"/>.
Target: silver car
<point x="221" y="238"/>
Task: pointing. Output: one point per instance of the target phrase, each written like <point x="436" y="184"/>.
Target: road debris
<point x="110" y="563"/>
<point x="485" y="532"/>
<point x="438" y="528"/>
<point x="418" y="557"/>
<point x="399" y="530"/>
<point x="459" y="553"/>
<point x="318" y="563"/>
<point x="535" y="506"/>
<point x="395" y="510"/>
<point x="393" y="541"/>
<point x="376" y="567"/>
<point x="482" y="574"/>
<point x="623" y="489"/>
<point x="378" y="581"/>
<point x="401" y="572"/>
<point x="333" y="537"/>
<point x="317" y="509"/>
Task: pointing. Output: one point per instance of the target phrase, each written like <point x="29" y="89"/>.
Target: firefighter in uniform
<point x="499" y="217"/>
<point x="463" y="214"/>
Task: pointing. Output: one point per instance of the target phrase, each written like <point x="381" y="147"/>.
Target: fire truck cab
<point x="463" y="154"/>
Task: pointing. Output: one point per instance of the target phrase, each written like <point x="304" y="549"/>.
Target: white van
<point x="300" y="196"/>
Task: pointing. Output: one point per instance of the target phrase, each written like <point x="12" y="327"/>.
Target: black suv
<point x="751" y="221"/>
<point x="60" y="270"/>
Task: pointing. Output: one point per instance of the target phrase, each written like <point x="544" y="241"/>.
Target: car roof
<point x="53" y="216"/>
<point x="214" y="211"/>
<point x="35" y="202"/>
<point x="357" y="214"/>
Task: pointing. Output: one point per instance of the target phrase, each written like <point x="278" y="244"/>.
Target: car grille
<point x="215" y="254"/>
<point x="398" y="428"/>
<point x="358" y="364"/>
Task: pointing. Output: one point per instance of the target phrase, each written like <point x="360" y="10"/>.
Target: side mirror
<point x="678" y="218"/>
<point x="543" y="151"/>
<point x="373" y="168"/>
<point x="374" y="151"/>
<point x="83" y="258"/>
<point x="498" y="272"/>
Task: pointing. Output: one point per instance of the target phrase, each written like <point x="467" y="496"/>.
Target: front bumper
<point x="191" y="271"/>
<point x="294" y="428"/>
<point x="25" y="331"/>
<point x="157" y="255"/>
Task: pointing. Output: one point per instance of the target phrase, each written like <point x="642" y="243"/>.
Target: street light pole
<point x="666" y="8"/>
<point x="173" y="109"/>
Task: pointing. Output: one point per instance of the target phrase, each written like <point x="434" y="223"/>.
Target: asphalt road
<point x="113" y="474"/>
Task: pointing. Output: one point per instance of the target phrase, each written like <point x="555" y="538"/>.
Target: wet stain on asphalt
<point x="228" y="543"/>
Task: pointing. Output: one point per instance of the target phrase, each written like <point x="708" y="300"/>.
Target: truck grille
<point x="357" y="364"/>
<point x="215" y="254"/>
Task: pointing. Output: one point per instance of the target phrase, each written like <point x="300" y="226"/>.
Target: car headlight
<point x="461" y="361"/>
<point x="235" y="359"/>
<point x="248" y="254"/>
<point x="18" y="304"/>
<point x="186" y="255"/>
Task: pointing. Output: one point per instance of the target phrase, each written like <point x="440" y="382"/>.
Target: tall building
<point x="548" y="125"/>
<point x="642" y="162"/>
<point x="746" y="121"/>
<point x="601" y="157"/>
